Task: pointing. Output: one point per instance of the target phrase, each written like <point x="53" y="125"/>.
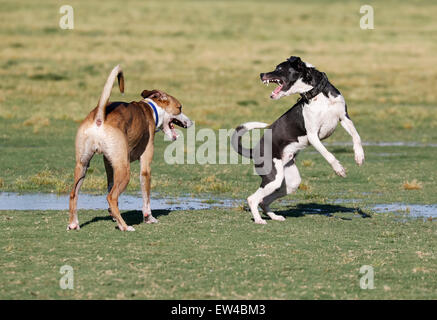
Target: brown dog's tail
<point x="103" y="101"/>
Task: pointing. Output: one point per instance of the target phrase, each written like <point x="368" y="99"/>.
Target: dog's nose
<point x="261" y="75"/>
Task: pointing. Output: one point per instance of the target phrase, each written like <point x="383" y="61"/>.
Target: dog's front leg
<point x="145" y="176"/>
<point x="348" y="125"/>
<point x="313" y="138"/>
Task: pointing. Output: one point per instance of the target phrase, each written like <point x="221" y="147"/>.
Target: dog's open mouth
<point x="172" y="132"/>
<point x="278" y="89"/>
<point x="173" y="135"/>
<point x="178" y="123"/>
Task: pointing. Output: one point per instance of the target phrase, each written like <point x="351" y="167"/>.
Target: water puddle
<point x="385" y="144"/>
<point x="411" y="210"/>
<point x="385" y="154"/>
<point x="48" y="201"/>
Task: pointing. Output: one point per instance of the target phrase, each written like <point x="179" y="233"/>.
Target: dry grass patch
<point x="307" y="163"/>
<point x="212" y="184"/>
<point x="407" y="125"/>
<point x="37" y="122"/>
<point x="45" y="179"/>
<point x="413" y="185"/>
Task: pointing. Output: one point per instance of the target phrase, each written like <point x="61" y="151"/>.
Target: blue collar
<point x="152" y="105"/>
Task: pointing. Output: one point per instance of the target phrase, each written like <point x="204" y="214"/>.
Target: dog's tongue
<point x="277" y="89"/>
<point x="173" y="131"/>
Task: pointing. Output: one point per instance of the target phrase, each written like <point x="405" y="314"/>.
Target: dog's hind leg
<point x="272" y="197"/>
<point x="271" y="182"/>
<point x="145" y="177"/>
<point x="82" y="164"/>
<point x="109" y="177"/>
<point x="289" y="185"/>
<point x="292" y="177"/>
<point x="121" y="180"/>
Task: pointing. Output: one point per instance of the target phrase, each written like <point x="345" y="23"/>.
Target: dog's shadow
<point x="133" y="217"/>
<point x="328" y="210"/>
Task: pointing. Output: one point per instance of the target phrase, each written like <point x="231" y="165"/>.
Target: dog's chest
<point x="322" y="115"/>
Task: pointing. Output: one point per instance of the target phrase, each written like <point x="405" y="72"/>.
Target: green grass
<point x="217" y="254"/>
<point x="209" y="55"/>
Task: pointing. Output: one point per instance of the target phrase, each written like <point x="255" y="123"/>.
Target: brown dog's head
<point x="172" y="112"/>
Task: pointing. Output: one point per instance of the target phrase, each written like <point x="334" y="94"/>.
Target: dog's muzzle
<point x="182" y="120"/>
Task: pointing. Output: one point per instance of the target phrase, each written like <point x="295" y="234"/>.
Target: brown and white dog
<point x="124" y="132"/>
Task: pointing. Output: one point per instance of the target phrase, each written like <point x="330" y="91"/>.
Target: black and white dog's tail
<point x="239" y="133"/>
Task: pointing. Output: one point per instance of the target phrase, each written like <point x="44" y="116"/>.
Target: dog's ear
<point x="296" y="63"/>
<point x="150" y="94"/>
<point x="154" y="94"/>
<point x="293" y="59"/>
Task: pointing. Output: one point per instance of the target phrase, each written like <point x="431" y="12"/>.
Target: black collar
<point x="317" y="89"/>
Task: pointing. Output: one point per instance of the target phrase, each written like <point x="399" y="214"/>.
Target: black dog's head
<point x="292" y="76"/>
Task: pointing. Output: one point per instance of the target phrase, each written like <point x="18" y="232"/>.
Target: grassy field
<point x="209" y="55"/>
<point x="217" y="254"/>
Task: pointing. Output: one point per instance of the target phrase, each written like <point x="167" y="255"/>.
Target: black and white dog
<point x="313" y="118"/>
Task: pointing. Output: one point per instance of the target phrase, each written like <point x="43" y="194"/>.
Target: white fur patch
<point x="291" y="149"/>
<point x="97" y="138"/>
<point x="161" y="113"/>
<point x="254" y="125"/>
<point x="298" y="87"/>
<point x="292" y="178"/>
<point x="255" y="199"/>
<point x="322" y="114"/>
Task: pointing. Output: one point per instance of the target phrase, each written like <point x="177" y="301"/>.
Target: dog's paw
<point x="339" y="170"/>
<point x="275" y="216"/>
<point x="127" y="228"/>
<point x="73" y="226"/>
<point x="150" y="219"/>
<point x="359" y="156"/>
<point x="260" y="221"/>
